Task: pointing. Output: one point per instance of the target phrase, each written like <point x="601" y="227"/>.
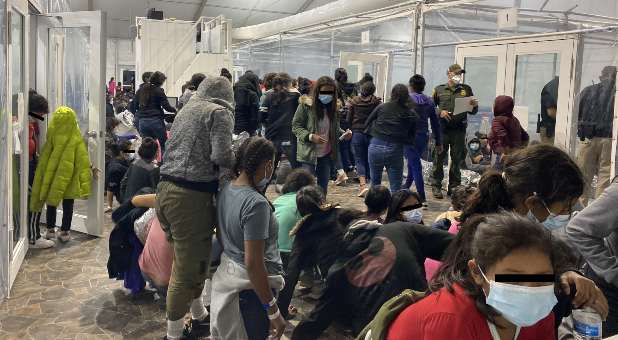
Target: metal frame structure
<point x="574" y="22"/>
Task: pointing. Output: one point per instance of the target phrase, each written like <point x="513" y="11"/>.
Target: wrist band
<point x="274" y="316"/>
<point x="272" y="302"/>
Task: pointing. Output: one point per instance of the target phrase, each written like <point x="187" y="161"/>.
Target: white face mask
<point x="523" y="306"/>
<point x="413" y="216"/>
<point x="456" y="79"/>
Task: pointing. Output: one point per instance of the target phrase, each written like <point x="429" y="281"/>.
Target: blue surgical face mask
<point x="326" y="98"/>
<point x="413" y="216"/>
<point x="521" y="305"/>
<point x="553" y="221"/>
<point x="475" y="146"/>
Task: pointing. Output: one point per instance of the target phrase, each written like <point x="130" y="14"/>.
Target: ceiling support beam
<point x="200" y="10"/>
<point x="305" y="5"/>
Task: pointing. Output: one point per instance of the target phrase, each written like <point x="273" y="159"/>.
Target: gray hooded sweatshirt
<point x="594" y="232"/>
<point x="201" y="138"/>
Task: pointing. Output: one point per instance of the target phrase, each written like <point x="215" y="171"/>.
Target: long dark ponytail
<point x="156" y="80"/>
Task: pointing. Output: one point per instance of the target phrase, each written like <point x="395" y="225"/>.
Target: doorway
<point x="524" y="69"/>
<point x="357" y="64"/>
<point x="74" y="66"/>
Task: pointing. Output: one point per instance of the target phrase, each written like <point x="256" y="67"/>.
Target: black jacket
<point x="247" y="98"/>
<point x="360" y="109"/>
<point x="279" y="114"/>
<point x="120" y="246"/>
<point x="140" y="175"/>
<point x="596" y="110"/>
<point x="374" y="265"/>
<point x="318" y="239"/>
<point x="153" y="108"/>
<point x="393" y="123"/>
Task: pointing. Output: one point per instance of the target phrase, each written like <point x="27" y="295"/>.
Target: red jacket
<point x="443" y="315"/>
<point x="506" y="131"/>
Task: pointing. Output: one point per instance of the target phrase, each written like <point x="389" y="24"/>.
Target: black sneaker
<point x="437" y="193"/>
<point x="200" y="328"/>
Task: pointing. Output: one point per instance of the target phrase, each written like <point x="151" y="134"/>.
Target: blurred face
<point x="265" y="170"/>
<point x="409" y="205"/>
<point x="327" y="89"/>
<point x="483" y="142"/>
<point x="518" y="262"/>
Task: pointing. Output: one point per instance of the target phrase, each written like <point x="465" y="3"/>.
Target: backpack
<point x="378" y="328"/>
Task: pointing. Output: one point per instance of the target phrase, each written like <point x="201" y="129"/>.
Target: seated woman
<point x="376" y="263"/>
<point x="377" y="200"/>
<point x="485" y="304"/>
<point x="317" y="238"/>
<point x="405" y="206"/>
<point x="285" y="209"/>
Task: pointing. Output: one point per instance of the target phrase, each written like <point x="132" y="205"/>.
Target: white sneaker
<point x="64" y="236"/>
<point x="42" y="244"/>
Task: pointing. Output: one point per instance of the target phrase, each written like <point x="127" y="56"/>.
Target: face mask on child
<point x="326" y="98"/>
<point x="475" y="146"/>
<point x="413" y="216"/>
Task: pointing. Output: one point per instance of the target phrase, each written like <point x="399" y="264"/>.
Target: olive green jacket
<point x="306" y="123"/>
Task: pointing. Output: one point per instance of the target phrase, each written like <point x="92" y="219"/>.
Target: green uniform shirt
<point x="444" y="97"/>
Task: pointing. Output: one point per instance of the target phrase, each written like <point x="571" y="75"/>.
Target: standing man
<point x="549" y="106"/>
<point x="453" y="129"/>
<point x="594" y="129"/>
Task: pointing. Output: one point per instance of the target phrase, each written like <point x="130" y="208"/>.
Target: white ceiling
<point x="121" y="13"/>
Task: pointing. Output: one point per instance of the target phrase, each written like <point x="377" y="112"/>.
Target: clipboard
<point x="463" y="105"/>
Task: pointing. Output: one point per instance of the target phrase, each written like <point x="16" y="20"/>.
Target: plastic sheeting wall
<point x="310" y="56"/>
<point x="76" y="71"/>
<point x="120" y="55"/>
<point x="4" y="176"/>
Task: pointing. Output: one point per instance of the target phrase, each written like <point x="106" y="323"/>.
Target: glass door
<point x="485" y="72"/>
<point x="76" y="78"/>
<point x="536" y="73"/>
<point x="540" y="76"/>
<point x="18" y="134"/>
<point x="357" y="64"/>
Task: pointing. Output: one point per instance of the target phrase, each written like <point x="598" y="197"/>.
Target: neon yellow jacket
<point x="63" y="171"/>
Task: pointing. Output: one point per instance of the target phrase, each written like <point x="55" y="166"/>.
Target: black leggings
<point x="67" y="215"/>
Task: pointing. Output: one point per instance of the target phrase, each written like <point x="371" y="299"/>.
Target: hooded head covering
<point x="217" y="90"/>
<point x="503" y="106"/>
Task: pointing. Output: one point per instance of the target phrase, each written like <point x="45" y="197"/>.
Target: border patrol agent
<point x="453" y="129"/>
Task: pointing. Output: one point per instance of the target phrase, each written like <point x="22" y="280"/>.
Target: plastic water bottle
<point x="587" y="324"/>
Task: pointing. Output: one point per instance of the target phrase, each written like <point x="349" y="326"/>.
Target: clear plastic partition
<point x="487" y="19"/>
<point x="77" y="56"/>
<point x="594" y="110"/>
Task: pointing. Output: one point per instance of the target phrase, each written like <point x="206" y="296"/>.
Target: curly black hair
<point x="296" y="180"/>
<point x="252" y="152"/>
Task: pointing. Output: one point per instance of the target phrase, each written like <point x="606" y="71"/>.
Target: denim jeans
<point x="321" y="170"/>
<point x="254" y="317"/>
<point x="154" y="128"/>
<point x="360" y="146"/>
<point x="413" y="154"/>
<point x="385" y="154"/>
<point x="346" y="156"/>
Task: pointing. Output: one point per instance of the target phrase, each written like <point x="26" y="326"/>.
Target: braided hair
<point x="253" y="152"/>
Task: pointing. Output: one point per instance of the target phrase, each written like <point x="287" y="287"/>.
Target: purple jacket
<point x="426" y="109"/>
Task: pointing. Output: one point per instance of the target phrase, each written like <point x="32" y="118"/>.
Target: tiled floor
<point x="65" y="293"/>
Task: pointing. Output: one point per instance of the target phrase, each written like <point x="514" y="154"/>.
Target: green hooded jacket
<point x="63" y="171"/>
